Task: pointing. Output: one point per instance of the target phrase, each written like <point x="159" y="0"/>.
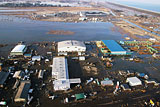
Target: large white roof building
<point x="18" y="50"/>
<point x="71" y="46"/>
<point x="60" y="68"/>
<point x="60" y="74"/>
<point x="134" y="81"/>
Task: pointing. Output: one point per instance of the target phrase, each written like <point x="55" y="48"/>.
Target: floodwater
<point x="14" y="29"/>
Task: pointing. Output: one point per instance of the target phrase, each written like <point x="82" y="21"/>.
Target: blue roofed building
<point x="114" y="47"/>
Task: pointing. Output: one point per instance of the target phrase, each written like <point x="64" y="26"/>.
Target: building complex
<point x="111" y="47"/>
<point x="60" y="74"/>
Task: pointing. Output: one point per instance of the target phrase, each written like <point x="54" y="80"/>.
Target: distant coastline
<point x="136" y="8"/>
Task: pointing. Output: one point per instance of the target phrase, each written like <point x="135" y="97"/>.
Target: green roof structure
<point x="79" y="96"/>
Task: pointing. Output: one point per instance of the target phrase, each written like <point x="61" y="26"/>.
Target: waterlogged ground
<point x="14" y="29"/>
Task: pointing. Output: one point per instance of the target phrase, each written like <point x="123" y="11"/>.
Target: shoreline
<point x="136" y="8"/>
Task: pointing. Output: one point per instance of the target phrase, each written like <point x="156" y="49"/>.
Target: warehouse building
<point x="134" y="81"/>
<point x="71" y="47"/>
<point x="18" y="50"/>
<point x="114" y="47"/>
<point x="60" y="74"/>
<point x="93" y="14"/>
<point x="22" y="94"/>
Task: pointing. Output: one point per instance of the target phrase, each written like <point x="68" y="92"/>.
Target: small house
<point x="107" y="83"/>
<point x="36" y="58"/>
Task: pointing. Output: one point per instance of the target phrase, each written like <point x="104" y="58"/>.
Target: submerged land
<point x="103" y="69"/>
<point x="60" y="32"/>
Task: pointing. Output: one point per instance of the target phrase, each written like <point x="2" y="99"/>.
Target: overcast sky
<point x="141" y="1"/>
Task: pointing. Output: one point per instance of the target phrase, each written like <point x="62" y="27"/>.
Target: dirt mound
<point x="60" y="32"/>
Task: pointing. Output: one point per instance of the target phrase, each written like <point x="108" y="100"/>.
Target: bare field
<point x="47" y="10"/>
<point x="134" y="30"/>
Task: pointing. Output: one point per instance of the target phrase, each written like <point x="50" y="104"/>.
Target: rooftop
<point x="36" y="58"/>
<point x="113" y="45"/>
<point x="19" y="48"/>
<point x="79" y="96"/>
<point x="61" y="84"/>
<point x="60" y="68"/>
<point x="107" y="82"/>
<point x="134" y="80"/>
<point x="69" y="43"/>
<point x="23" y="90"/>
<point x="60" y="73"/>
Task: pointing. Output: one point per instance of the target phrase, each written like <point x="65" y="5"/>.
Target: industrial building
<point x="18" y="50"/>
<point x="3" y="78"/>
<point x="60" y="74"/>
<point x="71" y="47"/>
<point x="22" y="94"/>
<point x="134" y="81"/>
<point x="93" y="14"/>
<point x="113" y="47"/>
